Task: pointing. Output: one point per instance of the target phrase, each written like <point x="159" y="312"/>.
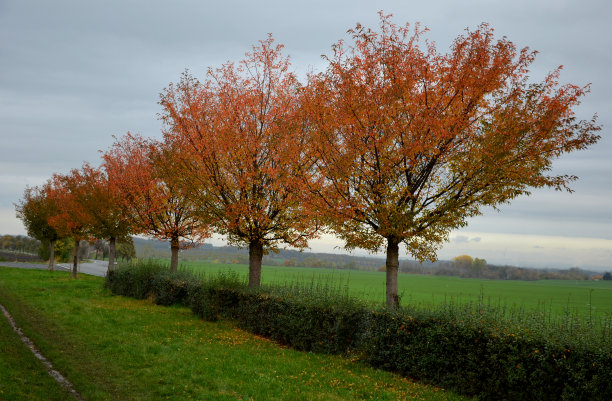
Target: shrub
<point x="308" y="318"/>
<point x="169" y="288"/>
<point x="217" y="295"/>
<point x="134" y="280"/>
<point x="480" y="357"/>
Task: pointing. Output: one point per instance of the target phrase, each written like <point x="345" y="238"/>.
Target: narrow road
<point x="93" y="267"/>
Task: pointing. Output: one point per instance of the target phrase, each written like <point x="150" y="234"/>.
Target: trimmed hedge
<point x="307" y="326"/>
<point x="134" y="280"/>
<point x="471" y="354"/>
<point x="475" y="360"/>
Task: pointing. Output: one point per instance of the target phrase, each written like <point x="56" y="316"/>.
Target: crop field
<point x="551" y="296"/>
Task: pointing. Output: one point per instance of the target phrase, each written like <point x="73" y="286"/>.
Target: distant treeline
<point x="234" y="255"/>
<point x="465" y="266"/>
<point x="461" y="266"/>
<point x="19" y="243"/>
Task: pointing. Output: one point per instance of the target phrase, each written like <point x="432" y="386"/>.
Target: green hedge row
<point x="446" y="348"/>
<point x="475" y="359"/>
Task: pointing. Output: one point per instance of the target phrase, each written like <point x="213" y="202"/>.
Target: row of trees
<point x="86" y="204"/>
<point x="394" y="143"/>
<point x="25" y="245"/>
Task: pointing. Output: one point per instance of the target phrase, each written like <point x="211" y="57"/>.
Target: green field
<point x="117" y="348"/>
<point x="555" y="296"/>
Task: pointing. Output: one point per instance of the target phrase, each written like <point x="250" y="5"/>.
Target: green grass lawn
<point x="22" y="376"/>
<point x="556" y="296"/>
<point x="116" y="348"/>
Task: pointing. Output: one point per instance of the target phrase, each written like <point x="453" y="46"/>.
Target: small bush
<point x="173" y="288"/>
<point x="217" y="295"/>
<point x="134" y="280"/>
<point x="317" y="319"/>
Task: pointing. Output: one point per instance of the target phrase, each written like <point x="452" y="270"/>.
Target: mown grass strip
<point x="112" y="347"/>
<point x="57" y="376"/>
<point x="22" y="376"/>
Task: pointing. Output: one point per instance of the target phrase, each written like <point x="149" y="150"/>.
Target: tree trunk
<point x="255" y="256"/>
<point x="174" y="248"/>
<point x="75" y="262"/>
<point x="51" y="254"/>
<point x="392" y="266"/>
<point x="111" y="253"/>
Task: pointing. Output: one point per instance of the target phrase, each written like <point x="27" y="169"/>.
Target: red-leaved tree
<point x="139" y="170"/>
<point x="101" y="202"/>
<point x="72" y="220"/>
<point x="241" y="146"/>
<point x="411" y="142"/>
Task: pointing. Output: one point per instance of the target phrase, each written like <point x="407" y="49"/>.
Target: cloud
<point x="461" y="239"/>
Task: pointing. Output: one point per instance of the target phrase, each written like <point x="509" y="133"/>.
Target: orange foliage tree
<point x="72" y="220"/>
<point x="241" y="145"/>
<point x="411" y="142"/>
<point x="139" y="171"/>
<point x="100" y="202"/>
<point x="34" y="210"/>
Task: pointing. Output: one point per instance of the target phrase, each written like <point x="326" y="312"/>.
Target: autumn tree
<point x="34" y="210"/>
<point x="412" y="142"/>
<point x="72" y="220"/>
<point x="101" y="202"/>
<point x="241" y="148"/>
<point x="139" y="169"/>
<point x="463" y="261"/>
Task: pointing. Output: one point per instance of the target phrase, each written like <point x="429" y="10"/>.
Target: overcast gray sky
<point x="74" y="73"/>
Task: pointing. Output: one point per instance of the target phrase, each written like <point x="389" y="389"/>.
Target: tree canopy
<point x="393" y="143"/>
<point x="34" y="210"/>
<point x="411" y="142"/>
<point x="241" y="146"/>
<point x="139" y="170"/>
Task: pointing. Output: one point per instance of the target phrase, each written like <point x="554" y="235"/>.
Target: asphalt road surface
<point x="93" y="267"/>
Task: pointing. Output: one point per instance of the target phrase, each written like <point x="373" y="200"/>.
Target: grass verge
<point x="112" y="347"/>
<point x="22" y="376"/>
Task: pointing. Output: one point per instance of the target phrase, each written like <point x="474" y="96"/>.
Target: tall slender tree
<point x="100" y="201"/>
<point x="138" y="169"/>
<point x="34" y="210"/>
<point x="240" y="145"/>
<point x="72" y="220"/>
<point x="412" y="142"/>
